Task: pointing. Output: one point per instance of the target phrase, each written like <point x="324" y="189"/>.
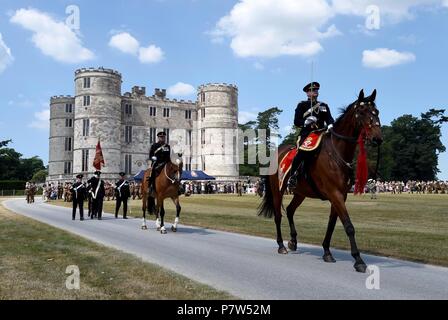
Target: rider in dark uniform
<point x="122" y="194"/>
<point x="159" y="153"/>
<point x="97" y="191"/>
<point x="310" y="115"/>
<point x="78" y="190"/>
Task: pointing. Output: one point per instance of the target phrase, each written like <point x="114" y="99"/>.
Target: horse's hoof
<point x="329" y="258"/>
<point x="360" y="267"/>
<point x="144" y="228"/>
<point x="173" y="229"/>
<point x="292" y="245"/>
<point x="163" y="231"/>
<point x="282" y="250"/>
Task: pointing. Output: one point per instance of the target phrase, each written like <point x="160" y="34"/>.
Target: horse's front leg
<point x="178" y="208"/>
<point x="144" y="203"/>
<point x="328" y="257"/>
<point x="338" y="202"/>
<point x="162" y="216"/>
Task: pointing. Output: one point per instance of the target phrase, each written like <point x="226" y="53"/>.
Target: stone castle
<point x="127" y="124"/>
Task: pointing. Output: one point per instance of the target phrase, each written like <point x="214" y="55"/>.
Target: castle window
<point x="202" y="96"/>
<point x="166" y="112"/>
<point x="203" y="113"/>
<point x="68" y="144"/>
<point x="128" y="108"/>
<point x="86" y="101"/>
<point x="189" y="132"/>
<point x="68" y="123"/>
<point x="85" y="160"/>
<point x="67" y="167"/>
<point x="68" y="108"/>
<point x="86" y="82"/>
<point x="128" y="134"/>
<point x="187" y="114"/>
<point x="152" y="135"/>
<point x="203" y="136"/>
<point x="128" y="164"/>
<point x="167" y="131"/>
<point x="203" y="163"/>
<point x="188" y="164"/>
<point x="85" y="127"/>
<point x="152" y="111"/>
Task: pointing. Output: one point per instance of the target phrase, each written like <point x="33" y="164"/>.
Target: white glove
<point x="310" y="120"/>
<point x="154" y="158"/>
<point x="329" y="127"/>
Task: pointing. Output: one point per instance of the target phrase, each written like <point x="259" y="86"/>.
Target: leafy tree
<point x="9" y="161"/>
<point x="411" y="147"/>
<point x="291" y="138"/>
<point x="40" y="176"/>
<point x="14" y="167"/>
<point x="266" y="120"/>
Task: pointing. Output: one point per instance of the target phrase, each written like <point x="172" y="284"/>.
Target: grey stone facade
<point x="126" y="124"/>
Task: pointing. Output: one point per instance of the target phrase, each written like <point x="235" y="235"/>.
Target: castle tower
<point x="97" y="116"/>
<point x="217" y="136"/>
<point x="60" y="162"/>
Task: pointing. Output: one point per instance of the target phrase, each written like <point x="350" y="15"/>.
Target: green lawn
<point x="34" y="257"/>
<point x="413" y="227"/>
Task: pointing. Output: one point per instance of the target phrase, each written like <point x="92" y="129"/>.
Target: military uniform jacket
<point x="320" y="110"/>
<point x="122" y="189"/>
<point x="93" y="188"/>
<point x="161" y="151"/>
<point x="78" y="190"/>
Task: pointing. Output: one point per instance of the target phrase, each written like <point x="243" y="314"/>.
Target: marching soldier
<point x="78" y="191"/>
<point x="309" y="115"/>
<point x="122" y="194"/>
<point x="97" y="193"/>
<point x="159" y="153"/>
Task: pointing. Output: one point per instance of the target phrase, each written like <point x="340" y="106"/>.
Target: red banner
<point x="99" y="159"/>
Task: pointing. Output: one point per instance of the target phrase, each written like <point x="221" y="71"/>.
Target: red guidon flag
<point x="99" y="159"/>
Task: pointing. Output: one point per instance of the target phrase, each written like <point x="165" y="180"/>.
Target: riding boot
<point x="292" y="182"/>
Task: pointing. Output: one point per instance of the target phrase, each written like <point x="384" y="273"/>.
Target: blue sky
<point x="264" y="46"/>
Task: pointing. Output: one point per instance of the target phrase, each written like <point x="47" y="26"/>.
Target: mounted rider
<point x="310" y="115"/>
<point x="159" y="154"/>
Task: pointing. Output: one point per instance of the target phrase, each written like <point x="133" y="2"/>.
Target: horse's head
<point x="176" y="166"/>
<point x="367" y="117"/>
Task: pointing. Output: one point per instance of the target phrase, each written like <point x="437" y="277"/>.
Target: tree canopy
<point x="14" y="167"/>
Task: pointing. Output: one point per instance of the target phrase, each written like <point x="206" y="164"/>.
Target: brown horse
<point x="328" y="176"/>
<point x="167" y="185"/>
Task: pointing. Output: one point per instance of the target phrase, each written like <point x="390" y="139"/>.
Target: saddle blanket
<point x="285" y="165"/>
<point x="312" y="141"/>
<point x="309" y="144"/>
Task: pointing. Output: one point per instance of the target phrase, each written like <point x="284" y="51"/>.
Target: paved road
<point x="247" y="266"/>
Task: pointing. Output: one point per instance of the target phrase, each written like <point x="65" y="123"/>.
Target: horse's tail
<point x="267" y="206"/>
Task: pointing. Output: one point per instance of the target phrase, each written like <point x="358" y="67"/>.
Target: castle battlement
<point x="61" y="98"/>
<point x="222" y="85"/>
<point x="100" y="69"/>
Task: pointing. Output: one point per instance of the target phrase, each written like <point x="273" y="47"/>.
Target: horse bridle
<point x="353" y="139"/>
<point x="173" y="180"/>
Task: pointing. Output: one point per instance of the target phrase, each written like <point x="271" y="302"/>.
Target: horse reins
<point x="345" y="138"/>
